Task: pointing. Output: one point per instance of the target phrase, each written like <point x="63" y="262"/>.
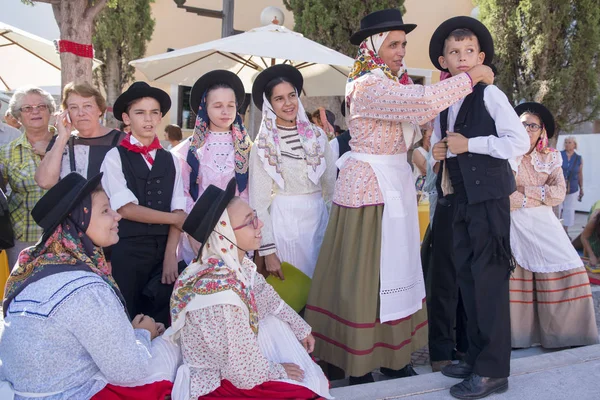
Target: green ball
<point x="294" y="289"/>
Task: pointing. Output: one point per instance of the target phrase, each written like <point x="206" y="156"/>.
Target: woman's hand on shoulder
<point x="481" y="73"/>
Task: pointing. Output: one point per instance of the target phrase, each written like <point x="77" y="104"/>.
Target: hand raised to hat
<point x="481" y="73"/>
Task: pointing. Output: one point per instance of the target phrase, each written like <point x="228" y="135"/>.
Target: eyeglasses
<point x="253" y="222"/>
<point x="29" y="109"/>
<point x="532" y="127"/>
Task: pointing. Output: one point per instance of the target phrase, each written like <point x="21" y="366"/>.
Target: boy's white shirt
<point x="115" y="185"/>
<point x="512" y="140"/>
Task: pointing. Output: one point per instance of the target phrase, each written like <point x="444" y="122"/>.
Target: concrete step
<point x="566" y="374"/>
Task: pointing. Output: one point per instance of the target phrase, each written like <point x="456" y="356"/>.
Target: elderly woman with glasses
<point x="19" y="160"/>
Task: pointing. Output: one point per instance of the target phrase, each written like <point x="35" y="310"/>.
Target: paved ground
<point x="420" y="358"/>
<point x="567" y="374"/>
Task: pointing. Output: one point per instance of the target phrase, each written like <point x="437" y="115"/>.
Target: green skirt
<point x="343" y="304"/>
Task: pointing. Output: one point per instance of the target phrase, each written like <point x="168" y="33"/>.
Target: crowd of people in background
<point x="141" y="270"/>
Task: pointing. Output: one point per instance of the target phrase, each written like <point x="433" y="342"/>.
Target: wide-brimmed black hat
<point x="276" y="71"/>
<point x="138" y="90"/>
<point x="212" y="78"/>
<point x="540" y="110"/>
<point x="57" y="203"/>
<point x="380" y="21"/>
<point x="206" y="212"/>
<point x="436" y="45"/>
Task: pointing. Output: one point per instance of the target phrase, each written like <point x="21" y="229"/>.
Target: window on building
<point x="185" y="117"/>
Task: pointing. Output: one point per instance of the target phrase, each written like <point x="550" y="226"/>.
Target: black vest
<point x="484" y="177"/>
<point x="152" y="187"/>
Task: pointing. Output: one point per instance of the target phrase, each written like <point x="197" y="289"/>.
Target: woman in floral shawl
<point x="219" y="148"/>
<point x="550" y="296"/>
<point x="238" y="338"/>
<point x="66" y="331"/>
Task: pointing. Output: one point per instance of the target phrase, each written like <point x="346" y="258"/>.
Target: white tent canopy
<point x="324" y="70"/>
<point x="27" y="59"/>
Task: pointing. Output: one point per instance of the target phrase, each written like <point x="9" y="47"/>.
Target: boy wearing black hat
<point x="475" y="138"/>
<point x="144" y="185"/>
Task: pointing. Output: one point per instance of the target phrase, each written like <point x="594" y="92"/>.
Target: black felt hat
<point x="436" y="45"/>
<point x="139" y="90"/>
<point x="276" y="71"/>
<point x="540" y="110"/>
<point x="212" y="78"/>
<point x="57" y="203"/>
<point x="206" y="212"/>
<point x="380" y="21"/>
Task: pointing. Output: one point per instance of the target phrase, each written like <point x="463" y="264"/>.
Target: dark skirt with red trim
<point x="152" y="391"/>
<point x="267" y="390"/>
<point x="553" y="309"/>
<point x="343" y="304"/>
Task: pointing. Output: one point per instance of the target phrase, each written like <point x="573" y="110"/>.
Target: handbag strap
<point x="72" y="153"/>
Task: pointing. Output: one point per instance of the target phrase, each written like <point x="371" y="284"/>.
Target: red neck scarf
<point x="140" y="148"/>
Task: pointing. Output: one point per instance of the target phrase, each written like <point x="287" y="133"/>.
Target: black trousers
<point x="483" y="260"/>
<point x="137" y="264"/>
<point x="447" y="317"/>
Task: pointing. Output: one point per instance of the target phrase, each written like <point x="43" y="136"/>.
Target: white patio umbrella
<point x="324" y="70"/>
<point x="27" y="59"/>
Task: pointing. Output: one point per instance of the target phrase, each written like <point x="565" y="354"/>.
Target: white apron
<point x="299" y="224"/>
<point x="278" y="344"/>
<point x="402" y="288"/>
<point x="539" y="243"/>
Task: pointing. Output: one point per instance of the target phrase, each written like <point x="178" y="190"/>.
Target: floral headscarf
<point x="368" y="61"/>
<point x="68" y="248"/>
<point x="241" y="144"/>
<point x="219" y="277"/>
<point x="312" y="140"/>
